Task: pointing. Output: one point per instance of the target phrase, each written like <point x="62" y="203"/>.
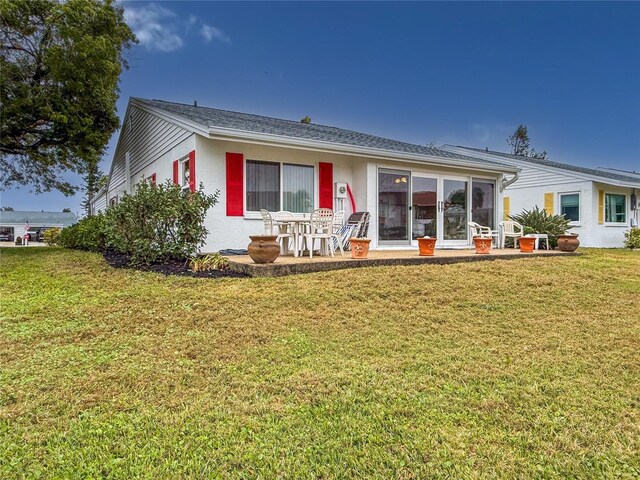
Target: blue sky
<point x="461" y="73"/>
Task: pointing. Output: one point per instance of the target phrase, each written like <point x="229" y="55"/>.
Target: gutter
<point x="505" y="183"/>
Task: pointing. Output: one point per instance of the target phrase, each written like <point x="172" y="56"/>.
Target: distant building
<point x="12" y="223"/>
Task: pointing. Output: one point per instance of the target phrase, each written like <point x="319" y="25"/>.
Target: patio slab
<point x="289" y="265"/>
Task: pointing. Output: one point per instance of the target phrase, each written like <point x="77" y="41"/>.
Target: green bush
<point x="159" y="222"/>
<point x="538" y="221"/>
<point x="88" y="234"/>
<point x="632" y="238"/>
<point x="50" y="236"/>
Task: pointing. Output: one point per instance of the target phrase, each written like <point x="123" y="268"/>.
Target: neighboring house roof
<point x="623" y="172"/>
<point x="38" y="218"/>
<point x="212" y="118"/>
<point x="605" y="175"/>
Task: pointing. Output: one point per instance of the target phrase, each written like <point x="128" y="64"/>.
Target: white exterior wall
<point x="151" y="144"/>
<point x="591" y="233"/>
<point x="609" y="234"/>
<point x="234" y="231"/>
<point x="360" y="173"/>
<point x="99" y="204"/>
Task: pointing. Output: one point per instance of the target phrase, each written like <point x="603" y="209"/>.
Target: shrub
<point x="88" y="234"/>
<point x="539" y="221"/>
<point x="209" y="262"/>
<point x="632" y="238"/>
<point x="50" y="236"/>
<point x="159" y="222"/>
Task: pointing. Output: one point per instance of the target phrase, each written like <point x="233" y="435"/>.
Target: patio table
<point x="297" y="222"/>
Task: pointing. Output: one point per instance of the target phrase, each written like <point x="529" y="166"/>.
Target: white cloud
<point x="159" y="28"/>
<point x="209" y="33"/>
<point x="155" y="27"/>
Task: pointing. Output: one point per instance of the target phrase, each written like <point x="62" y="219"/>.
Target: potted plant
<point x="359" y="247"/>
<point x="263" y="248"/>
<point x="527" y="242"/>
<point x="427" y="246"/>
<point x="568" y="242"/>
<point x="482" y="244"/>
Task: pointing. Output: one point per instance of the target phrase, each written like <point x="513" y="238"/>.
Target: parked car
<point x="6" y="237"/>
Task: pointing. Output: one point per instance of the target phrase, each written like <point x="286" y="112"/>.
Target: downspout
<point x="505" y="183"/>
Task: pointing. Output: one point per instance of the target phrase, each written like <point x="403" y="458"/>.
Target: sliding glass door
<point x="413" y="205"/>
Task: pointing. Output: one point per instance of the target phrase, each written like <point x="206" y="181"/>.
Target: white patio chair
<point x="510" y="229"/>
<point x="338" y="224"/>
<point x="281" y="235"/>
<point x="338" y="220"/>
<point x="478" y="230"/>
<point x="321" y="228"/>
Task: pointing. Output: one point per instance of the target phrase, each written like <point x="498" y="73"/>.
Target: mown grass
<point x="511" y="369"/>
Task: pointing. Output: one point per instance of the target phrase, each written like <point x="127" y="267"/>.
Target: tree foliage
<point x="520" y="144"/>
<point x="93" y="181"/>
<point x="59" y="72"/>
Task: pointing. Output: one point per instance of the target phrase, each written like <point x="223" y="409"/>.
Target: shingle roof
<point x="38" y="218"/>
<point x="565" y="166"/>
<point x="212" y="117"/>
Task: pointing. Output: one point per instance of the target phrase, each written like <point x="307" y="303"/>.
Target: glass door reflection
<point x="424" y="205"/>
<point x="454" y="207"/>
<point x="393" y="205"/>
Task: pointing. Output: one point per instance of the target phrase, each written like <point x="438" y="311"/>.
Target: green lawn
<point x="513" y="369"/>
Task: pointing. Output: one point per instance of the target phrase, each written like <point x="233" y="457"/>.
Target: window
<point x="275" y="186"/>
<point x="113" y="201"/>
<point x="184" y="175"/>
<point x="615" y="208"/>
<point x="570" y="206"/>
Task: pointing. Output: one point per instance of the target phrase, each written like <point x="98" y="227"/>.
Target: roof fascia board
<point x="194" y="127"/>
<point x="244" y="136"/>
<point x="524" y="163"/>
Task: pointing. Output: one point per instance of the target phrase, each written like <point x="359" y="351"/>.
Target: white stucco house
<point x="601" y="203"/>
<point x="259" y="162"/>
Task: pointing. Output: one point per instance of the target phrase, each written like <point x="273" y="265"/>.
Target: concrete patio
<point x="290" y="265"/>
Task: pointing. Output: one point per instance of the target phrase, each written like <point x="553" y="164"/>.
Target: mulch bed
<point x="171" y="267"/>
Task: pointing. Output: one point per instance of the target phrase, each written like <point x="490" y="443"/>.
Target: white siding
<point x="99" y="204"/>
<point x="152" y="144"/>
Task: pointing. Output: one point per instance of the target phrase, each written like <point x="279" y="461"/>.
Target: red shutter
<point x="176" y="169"/>
<point x="235" y="184"/>
<point x="325" y="178"/>
<point x="192" y="170"/>
<point x="153" y="179"/>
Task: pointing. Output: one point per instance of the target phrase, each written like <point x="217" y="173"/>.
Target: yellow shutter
<point x="600" y="207"/>
<point x="548" y="203"/>
<point x="506" y="205"/>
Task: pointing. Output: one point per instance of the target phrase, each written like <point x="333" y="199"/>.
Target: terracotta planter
<point x="427" y="246"/>
<point x="568" y="243"/>
<point x="359" y="247"/>
<point x="263" y="248"/>
<point x="483" y="245"/>
<point x="527" y="244"/>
